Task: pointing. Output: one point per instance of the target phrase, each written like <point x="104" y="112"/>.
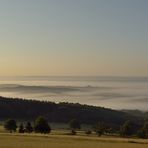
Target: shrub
<point x="73" y="132"/>
<point x="100" y="128"/>
<point x="88" y="132"/>
<point x="21" y="128"/>
<point x="28" y="128"/>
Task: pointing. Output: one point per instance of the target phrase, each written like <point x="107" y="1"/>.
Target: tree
<point x="21" y="128"/>
<point x="10" y="125"/>
<point x="28" y="127"/>
<point x="126" y="129"/>
<point x="145" y="128"/>
<point x="41" y="125"/>
<point x="74" y="124"/>
<point x="100" y="128"/>
<point x="141" y="134"/>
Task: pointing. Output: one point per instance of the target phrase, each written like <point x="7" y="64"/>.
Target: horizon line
<point x="120" y="76"/>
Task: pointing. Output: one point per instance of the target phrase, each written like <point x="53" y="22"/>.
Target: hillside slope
<point x="22" y="109"/>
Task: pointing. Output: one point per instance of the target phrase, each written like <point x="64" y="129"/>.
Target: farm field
<point x="66" y="141"/>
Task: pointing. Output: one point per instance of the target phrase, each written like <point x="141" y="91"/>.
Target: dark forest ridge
<point x="22" y="109"/>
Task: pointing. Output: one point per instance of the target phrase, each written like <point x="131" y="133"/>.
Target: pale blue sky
<point x="74" y="37"/>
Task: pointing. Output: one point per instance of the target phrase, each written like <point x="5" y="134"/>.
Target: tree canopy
<point x="41" y="125"/>
<point x="10" y="125"/>
<point x="74" y="124"/>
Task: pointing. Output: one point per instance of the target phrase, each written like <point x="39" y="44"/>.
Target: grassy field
<point x="65" y="141"/>
<point x="60" y="139"/>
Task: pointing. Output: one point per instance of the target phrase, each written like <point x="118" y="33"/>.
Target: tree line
<point x="111" y="121"/>
<point x="42" y="126"/>
<point x="22" y="109"/>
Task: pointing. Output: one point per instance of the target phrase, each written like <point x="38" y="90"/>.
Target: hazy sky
<point x="74" y="37"/>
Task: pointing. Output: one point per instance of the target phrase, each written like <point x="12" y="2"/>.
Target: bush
<point x="28" y="128"/>
<point x="73" y="132"/>
<point x="21" y="128"/>
<point x="88" y="132"/>
<point x="100" y="128"/>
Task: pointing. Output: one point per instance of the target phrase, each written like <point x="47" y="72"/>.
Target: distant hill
<point x="22" y="109"/>
<point x="138" y="113"/>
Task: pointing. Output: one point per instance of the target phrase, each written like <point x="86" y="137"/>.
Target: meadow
<point x="61" y="139"/>
<point x="65" y="141"/>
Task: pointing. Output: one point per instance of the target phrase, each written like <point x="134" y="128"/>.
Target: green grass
<point x="65" y="141"/>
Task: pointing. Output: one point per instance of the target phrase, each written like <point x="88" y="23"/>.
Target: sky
<point x="73" y="37"/>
